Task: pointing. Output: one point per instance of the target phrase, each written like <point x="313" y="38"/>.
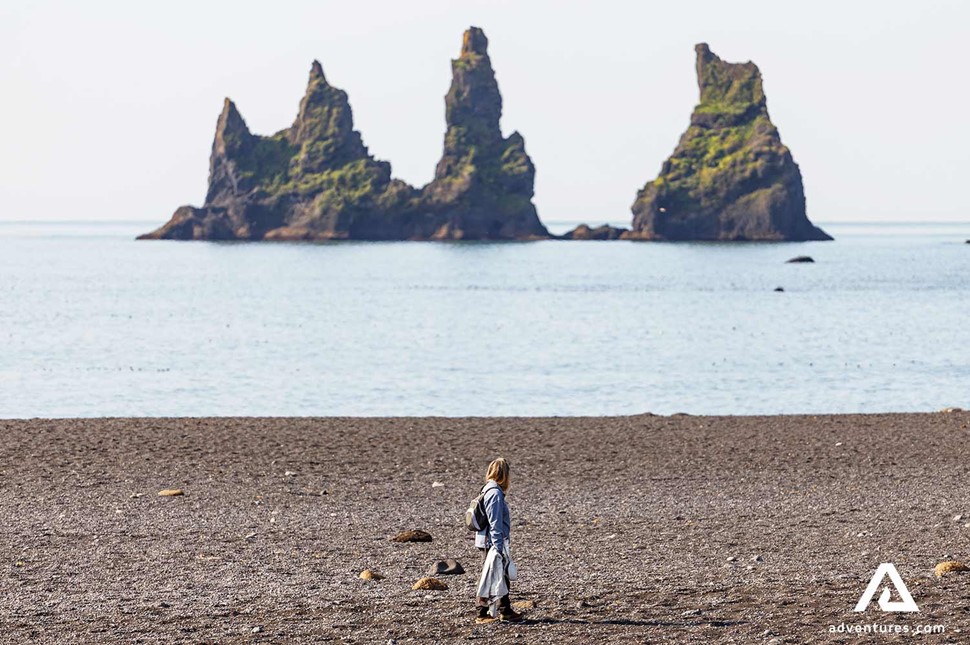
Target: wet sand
<point x="626" y="529"/>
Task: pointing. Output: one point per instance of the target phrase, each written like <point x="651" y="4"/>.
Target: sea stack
<point x="730" y="177"/>
<point x="483" y="184"/>
<point x="316" y="180"/>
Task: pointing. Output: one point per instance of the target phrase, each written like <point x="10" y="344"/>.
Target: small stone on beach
<point x="950" y="566"/>
<point x="447" y="567"/>
<point x="437" y="485"/>
<point x="429" y="584"/>
<point x="412" y="536"/>
<point x="171" y="492"/>
<point x="368" y="574"/>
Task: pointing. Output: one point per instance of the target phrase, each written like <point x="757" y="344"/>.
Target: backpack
<point x="476" y="519"/>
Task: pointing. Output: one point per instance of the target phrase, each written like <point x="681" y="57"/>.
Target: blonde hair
<point x="498" y="471"/>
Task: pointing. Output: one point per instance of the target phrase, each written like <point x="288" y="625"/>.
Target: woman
<point x="495" y="574"/>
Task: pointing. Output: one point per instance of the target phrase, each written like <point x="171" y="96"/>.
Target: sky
<point x="108" y="109"/>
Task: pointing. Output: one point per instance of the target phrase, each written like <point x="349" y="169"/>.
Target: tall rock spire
<point x="316" y="181"/>
<point x="730" y="177"/>
<point x="323" y="130"/>
<point x="483" y="183"/>
<point x="232" y="144"/>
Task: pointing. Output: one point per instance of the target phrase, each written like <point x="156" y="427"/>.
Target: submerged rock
<point x="730" y="177"/>
<point x="604" y="232"/>
<point x="800" y="259"/>
<point x="316" y="180"/>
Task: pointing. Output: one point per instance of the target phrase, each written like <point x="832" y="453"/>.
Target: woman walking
<point x="493" y="541"/>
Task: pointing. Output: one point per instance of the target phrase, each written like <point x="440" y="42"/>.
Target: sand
<point x="626" y="529"/>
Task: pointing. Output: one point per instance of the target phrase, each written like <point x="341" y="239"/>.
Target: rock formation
<point x="483" y="185"/>
<point x="316" y="180"/>
<point x="604" y="232"/>
<point x="730" y="177"/>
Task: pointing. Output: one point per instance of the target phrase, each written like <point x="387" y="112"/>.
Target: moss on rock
<point x="730" y="177"/>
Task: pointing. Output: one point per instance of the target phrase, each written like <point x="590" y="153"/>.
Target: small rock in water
<point x="367" y="574"/>
<point x="798" y="259"/>
<point x="447" y="567"/>
<point x="951" y="566"/>
<point x="412" y="536"/>
<point x="170" y="492"/>
<point x="779" y="289"/>
<point x="437" y="485"/>
<point x="429" y="584"/>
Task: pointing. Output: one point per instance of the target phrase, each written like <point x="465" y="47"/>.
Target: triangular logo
<point x="887" y="569"/>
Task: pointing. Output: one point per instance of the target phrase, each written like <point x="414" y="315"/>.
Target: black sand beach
<point x="626" y="529"/>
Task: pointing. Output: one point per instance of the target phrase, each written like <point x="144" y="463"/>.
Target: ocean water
<point x="93" y="323"/>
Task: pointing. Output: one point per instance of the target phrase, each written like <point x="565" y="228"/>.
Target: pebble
<point x="368" y="574"/>
<point x="758" y="558"/>
<point x="957" y="518"/>
<point x="289" y="473"/>
<point x="950" y="566"/>
<point x="257" y="629"/>
<point x="447" y="567"/>
<point x="437" y="485"/>
<point x="171" y="492"/>
<point x="731" y="558"/>
<point x="412" y="536"/>
<point x="429" y="584"/>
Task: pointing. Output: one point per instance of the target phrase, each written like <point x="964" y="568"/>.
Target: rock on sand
<point x="412" y="536"/>
<point x="430" y="584"/>
<point x="950" y="566"/>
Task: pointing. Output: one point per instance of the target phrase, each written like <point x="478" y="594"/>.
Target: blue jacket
<point x="499" y="522"/>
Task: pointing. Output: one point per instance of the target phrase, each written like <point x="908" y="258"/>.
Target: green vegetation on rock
<point x="730" y="177"/>
<point x="316" y="179"/>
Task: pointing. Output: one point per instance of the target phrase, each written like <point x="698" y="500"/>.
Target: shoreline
<point x="665" y="528"/>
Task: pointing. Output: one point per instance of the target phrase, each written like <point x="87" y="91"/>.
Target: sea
<point x="96" y="324"/>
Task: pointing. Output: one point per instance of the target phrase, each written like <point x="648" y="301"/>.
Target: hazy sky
<point x="108" y="108"/>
